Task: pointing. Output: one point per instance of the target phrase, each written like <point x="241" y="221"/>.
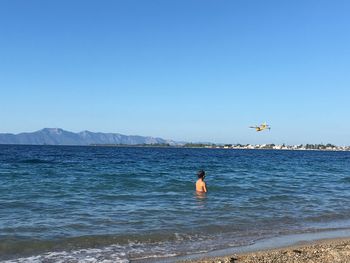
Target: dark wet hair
<point x="201" y="174"/>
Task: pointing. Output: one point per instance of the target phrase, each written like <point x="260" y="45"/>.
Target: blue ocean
<point x="134" y="204"/>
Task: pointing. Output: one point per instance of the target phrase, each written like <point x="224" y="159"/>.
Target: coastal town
<point x="300" y="147"/>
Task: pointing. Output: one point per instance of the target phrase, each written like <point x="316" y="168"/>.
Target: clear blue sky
<point x="192" y="70"/>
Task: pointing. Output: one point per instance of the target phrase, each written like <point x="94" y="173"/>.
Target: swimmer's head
<point x="201" y="174"/>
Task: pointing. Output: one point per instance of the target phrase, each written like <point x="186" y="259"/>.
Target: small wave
<point x="346" y="180"/>
<point x="120" y="251"/>
<point x="35" y="161"/>
<point x="106" y="255"/>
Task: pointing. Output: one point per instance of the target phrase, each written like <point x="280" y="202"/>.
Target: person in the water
<point x="200" y="184"/>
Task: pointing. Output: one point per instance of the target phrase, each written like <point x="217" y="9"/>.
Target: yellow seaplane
<point x="261" y="127"/>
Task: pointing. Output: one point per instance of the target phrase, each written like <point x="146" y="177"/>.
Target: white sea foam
<point x="104" y="255"/>
<point x="109" y="254"/>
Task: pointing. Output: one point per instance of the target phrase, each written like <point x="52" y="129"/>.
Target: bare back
<point x="201" y="186"/>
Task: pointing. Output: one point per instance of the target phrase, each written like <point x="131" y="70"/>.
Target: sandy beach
<point x="323" y="251"/>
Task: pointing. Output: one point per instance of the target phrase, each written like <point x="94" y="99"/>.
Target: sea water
<point x="122" y="204"/>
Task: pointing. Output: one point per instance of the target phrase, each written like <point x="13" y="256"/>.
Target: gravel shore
<point x="325" y="251"/>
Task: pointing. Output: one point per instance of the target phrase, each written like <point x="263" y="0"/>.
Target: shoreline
<point x="329" y="246"/>
<point x="252" y="147"/>
<point x="333" y="250"/>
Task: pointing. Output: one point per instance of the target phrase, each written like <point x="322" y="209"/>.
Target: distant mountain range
<point x="57" y="136"/>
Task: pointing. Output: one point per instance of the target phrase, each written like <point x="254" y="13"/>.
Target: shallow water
<point x="120" y="204"/>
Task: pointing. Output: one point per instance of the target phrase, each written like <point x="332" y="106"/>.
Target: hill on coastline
<point x="57" y="136"/>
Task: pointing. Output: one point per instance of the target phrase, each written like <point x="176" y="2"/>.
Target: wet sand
<point x="323" y="251"/>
